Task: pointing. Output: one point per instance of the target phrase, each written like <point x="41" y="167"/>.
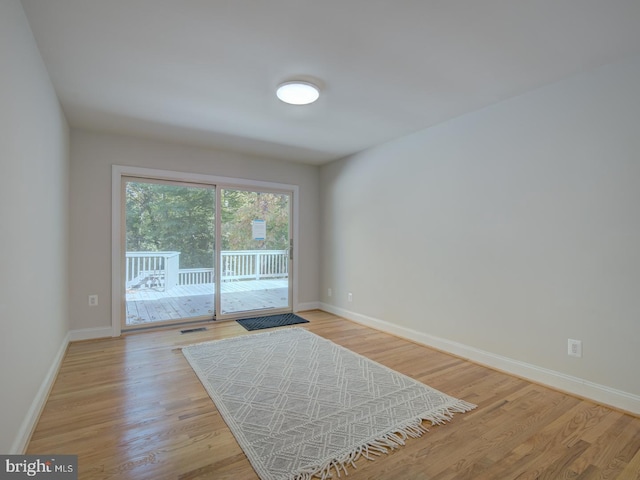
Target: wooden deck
<point x="188" y="301"/>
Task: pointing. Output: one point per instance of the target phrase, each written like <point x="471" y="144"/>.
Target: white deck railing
<point x="162" y="270"/>
<point x="195" y="276"/>
<point x="254" y="264"/>
<point x="152" y="269"/>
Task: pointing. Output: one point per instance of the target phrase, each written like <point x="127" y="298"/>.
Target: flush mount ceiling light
<point x="297" y="92"/>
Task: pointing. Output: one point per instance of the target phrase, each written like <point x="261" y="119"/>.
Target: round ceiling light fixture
<point x="298" y="92"/>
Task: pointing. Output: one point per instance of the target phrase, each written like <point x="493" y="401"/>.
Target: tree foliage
<point x="165" y="217"/>
<point x="239" y="210"/>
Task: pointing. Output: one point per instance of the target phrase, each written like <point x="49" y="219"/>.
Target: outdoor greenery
<point x="165" y="217"/>
<point x="240" y="208"/>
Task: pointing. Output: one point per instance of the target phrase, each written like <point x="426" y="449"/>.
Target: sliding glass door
<point x="170" y="252"/>
<point x="172" y="271"/>
<point x="255" y="257"/>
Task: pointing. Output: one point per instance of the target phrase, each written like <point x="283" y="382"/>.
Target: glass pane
<point x="254" y="270"/>
<point x="170" y="242"/>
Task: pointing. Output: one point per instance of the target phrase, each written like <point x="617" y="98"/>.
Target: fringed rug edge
<point x="378" y="446"/>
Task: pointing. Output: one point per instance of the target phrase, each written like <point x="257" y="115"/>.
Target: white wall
<point x="507" y="230"/>
<point x="93" y="154"/>
<point x="34" y="227"/>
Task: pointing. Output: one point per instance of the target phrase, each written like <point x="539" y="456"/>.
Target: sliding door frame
<point x="124" y="180"/>
<point x="119" y="174"/>
<point x="220" y="314"/>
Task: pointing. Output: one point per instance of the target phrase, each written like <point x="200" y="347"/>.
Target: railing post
<point x="171" y="267"/>
<point x="258" y="265"/>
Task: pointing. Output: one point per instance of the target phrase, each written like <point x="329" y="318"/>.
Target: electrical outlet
<point x="93" y="300"/>
<point x="574" y="348"/>
<point x="350" y="297"/>
<point x="329" y="292"/>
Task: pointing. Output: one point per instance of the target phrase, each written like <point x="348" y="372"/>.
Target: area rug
<point x="270" y="321"/>
<point x="301" y="406"/>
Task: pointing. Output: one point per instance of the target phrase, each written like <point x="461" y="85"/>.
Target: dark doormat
<point x="258" y="323"/>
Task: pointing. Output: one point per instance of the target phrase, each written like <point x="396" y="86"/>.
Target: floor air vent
<point x="191" y="330"/>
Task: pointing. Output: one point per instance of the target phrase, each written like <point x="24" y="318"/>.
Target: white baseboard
<point x="33" y="414"/>
<point x="567" y="383"/>
<point x="308" y="306"/>
<point x="90" y="333"/>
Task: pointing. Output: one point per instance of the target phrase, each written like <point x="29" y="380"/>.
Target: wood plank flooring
<point x="132" y="408"/>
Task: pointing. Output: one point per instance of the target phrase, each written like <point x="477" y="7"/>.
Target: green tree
<point x="239" y="210"/>
<point x="171" y="218"/>
<point x="165" y="217"/>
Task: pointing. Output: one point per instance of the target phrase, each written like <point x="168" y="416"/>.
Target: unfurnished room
<point x="308" y="240"/>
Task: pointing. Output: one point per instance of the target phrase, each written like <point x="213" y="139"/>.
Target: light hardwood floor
<point x="132" y="408"/>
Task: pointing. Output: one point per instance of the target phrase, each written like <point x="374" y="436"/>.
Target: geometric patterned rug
<point x="301" y="406"/>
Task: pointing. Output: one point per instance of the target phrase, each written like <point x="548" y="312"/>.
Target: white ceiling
<point x="204" y="72"/>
